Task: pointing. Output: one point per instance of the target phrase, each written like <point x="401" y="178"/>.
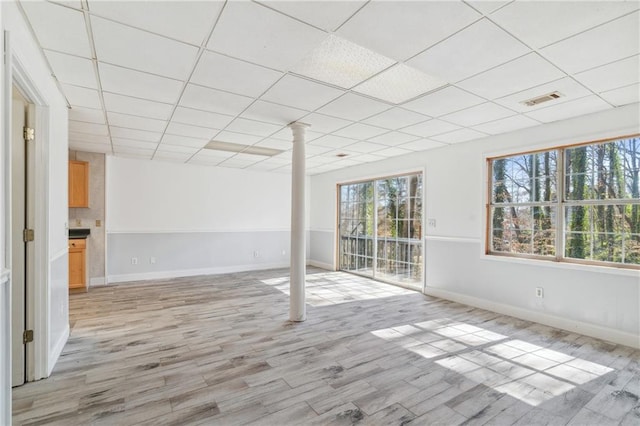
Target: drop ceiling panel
<point x="324" y="123"/>
<point x="253" y="127"/>
<point x="82" y="97"/>
<point x="188" y="21"/>
<point x="314" y="150"/>
<point x="457" y="136"/>
<point x="573" y="108"/>
<point x="141" y="135"/>
<point x="274" y="144"/>
<point x="283" y="40"/>
<point x="396" y="118"/>
<point x="86" y="138"/>
<point x="134" y="106"/>
<point x="392" y="152"/>
<point x="443" y="101"/>
<point x="287" y="135"/>
<point x="505" y="125"/>
<point x="91" y="128"/>
<point x="478" y="114"/>
<point x="610" y="42"/>
<point x="611" y="76"/>
<point x="430" y="128"/>
<point x="365" y="147"/>
<point x="332" y="141"/>
<point x="90" y="147"/>
<point x="239" y="138"/>
<point x="353" y="107"/>
<point x="273" y="113"/>
<point x="213" y="154"/>
<point x="301" y="93"/>
<point x="360" y="131"/>
<point x="197" y="117"/>
<point x="131" y="143"/>
<point x="139" y="84"/>
<point x="422" y="145"/>
<point x="135" y="122"/>
<point x="183" y="141"/>
<point x="519" y="74"/>
<point x="233" y="75"/>
<point x="393" y="138"/>
<point x="191" y="131"/>
<point x="327" y="15"/>
<point x="477" y="48"/>
<point x="87" y="115"/>
<point x="542" y="23"/>
<point x="414" y="25"/>
<point x="212" y="100"/>
<point x="567" y="87"/>
<point x="72" y="69"/>
<point x="122" y="45"/>
<point x="623" y="95"/>
<point x="58" y="28"/>
<point x="178" y="157"/>
<point x="487" y="6"/>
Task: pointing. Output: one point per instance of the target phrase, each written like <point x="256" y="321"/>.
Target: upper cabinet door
<point x="78" y="184"/>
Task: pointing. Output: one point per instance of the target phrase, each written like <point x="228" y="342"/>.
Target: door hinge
<point x="28" y="134"/>
<point x="28" y="235"/>
<point x="27" y="336"/>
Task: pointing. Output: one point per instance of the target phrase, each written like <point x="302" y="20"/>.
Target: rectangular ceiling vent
<point x="245" y="149"/>
<point x="544" y="98"/>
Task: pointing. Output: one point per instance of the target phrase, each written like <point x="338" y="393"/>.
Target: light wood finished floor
<point x="219" y="350"/>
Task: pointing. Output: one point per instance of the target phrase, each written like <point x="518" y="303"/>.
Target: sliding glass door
<point x="381" y="229"/>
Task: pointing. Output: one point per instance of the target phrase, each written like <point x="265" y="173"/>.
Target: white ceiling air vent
<point x="540" y="99"/>
<point x="245" y="149"/>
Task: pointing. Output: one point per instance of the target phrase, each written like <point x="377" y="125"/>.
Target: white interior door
<point x="18" y="218"/>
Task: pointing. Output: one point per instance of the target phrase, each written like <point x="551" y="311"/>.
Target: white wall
<point x="599" y="301"/>
<point x="193" y="219"/>
<point x="5" y="295"/>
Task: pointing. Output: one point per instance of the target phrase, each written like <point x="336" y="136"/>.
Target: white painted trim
<point x="57" y="349"/>
<point x="322" y="265"/>
<point x="59" y="254"/>
<point x="452" y="239"/>
<point x="97" y="281"/>
<point x="187" y="231"/>
<point x="5" y="276"/>
<point x="191" y="272"/>
<point x="580" y="327"/>
<point x="321" y="230"/>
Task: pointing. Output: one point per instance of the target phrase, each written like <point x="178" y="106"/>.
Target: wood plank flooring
<point x="219" y="350"/>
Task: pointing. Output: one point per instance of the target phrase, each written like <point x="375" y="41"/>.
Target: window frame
<point x="560" y="204"/>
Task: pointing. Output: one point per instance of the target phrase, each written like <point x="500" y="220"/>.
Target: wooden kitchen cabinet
<point x="78" y="183"/>
<point x="77" y="263"/>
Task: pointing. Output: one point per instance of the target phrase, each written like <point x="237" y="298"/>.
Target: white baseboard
<point x="580" y="327"/>
<point x="321" y="265"/>
<point x="97" y="281"/>
<point x="57" y="350"/>
<point x="191" y="272"/>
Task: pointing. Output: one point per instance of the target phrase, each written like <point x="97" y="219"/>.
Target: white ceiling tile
<point x="233" y="75"/>
<point x="505" y="125"/>
<point x="430" y="128"/>
<point x="204" y="161"/>
<point x="214" y="100"/>
<point x="239" y="138"/>
<point x="177" y="148"/>
<point x="191" y="131"/>
<point x="129" y="152"/>
<point x="422" y="145"/>
<point x="87" y="115"/>
<point x="178" y="157"/>
<point x="253" y="127"/>
<point x="200" y="118"/>
<point x="273" y="113"/>
<point x="275" y="144"/>
<point x="118" y="142"/>
<point x="457" y="136"/>
<point x="82" y="97"/>
<point x="360" y="131"/>
<point x="135" y="106"/>
<point x="567" y="87"/>
<point x="393" y="152"/>
<point x="188" y="21"/>
<point x="72" y="69"/>
<point x="443" y="101"/>
<point x="212" y="153"/>
<point x="301" y="93"/>
<point x="478" y="114"/>
<point x="341" y="63"/>
<point x="135" y="122"/>
<point x="367" y="158"/>
<point x="354" y="107"/>
<point x="332" y="141"/>
<point x="76" y="4"/>
<point x="519" y="74"/>
<point x="139" y="84"/>
<point x="393" y="138"/>
<point x="90" y="147"/>
<point x="282" y="42"/>
<point x="623" y="95"/>
<point x="541" y="23"/>
<point x="396" y="118"/>
<point x="327" y="15"/>
<point x="183" y="141"/>
<point x="122" y="45"/>
<point x="287" y="135"/>
<point x="324" y="123"/>
<point x="399" y="84"/>
<point x="414" y="25"/>
<point x="573" y="108"/>
<point x="141" y="135"/>
<point x="58" y="27"/>
<point x="92" y="128"/>
<point x="477" y="48"/>
<point x="611" y="76"/>
<point x="311" y="150"/>
<point x="487" y="6"/>
<point x="366" y="147"/>
<point x="607" y="43"/>
<point x="87" y="138"/>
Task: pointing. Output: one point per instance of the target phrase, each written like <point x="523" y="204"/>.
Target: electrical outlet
<point x="98" y="223"/>
<point x="134" y="260"/>
<point x="152" y="260"/>
<point x="539" y="292"/>
<point x="431" y="223"/>
<point x="256" y="253"/>
<point x="78" y="222"/>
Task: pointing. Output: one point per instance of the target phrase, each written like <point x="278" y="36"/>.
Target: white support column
<point x="297" y="307"/>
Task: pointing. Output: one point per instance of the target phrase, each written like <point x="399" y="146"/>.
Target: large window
<point x="381" y="228"/>
<point x="579" y="203"/>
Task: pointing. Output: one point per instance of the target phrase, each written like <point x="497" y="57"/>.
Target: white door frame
<point x="38" y="291"/>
